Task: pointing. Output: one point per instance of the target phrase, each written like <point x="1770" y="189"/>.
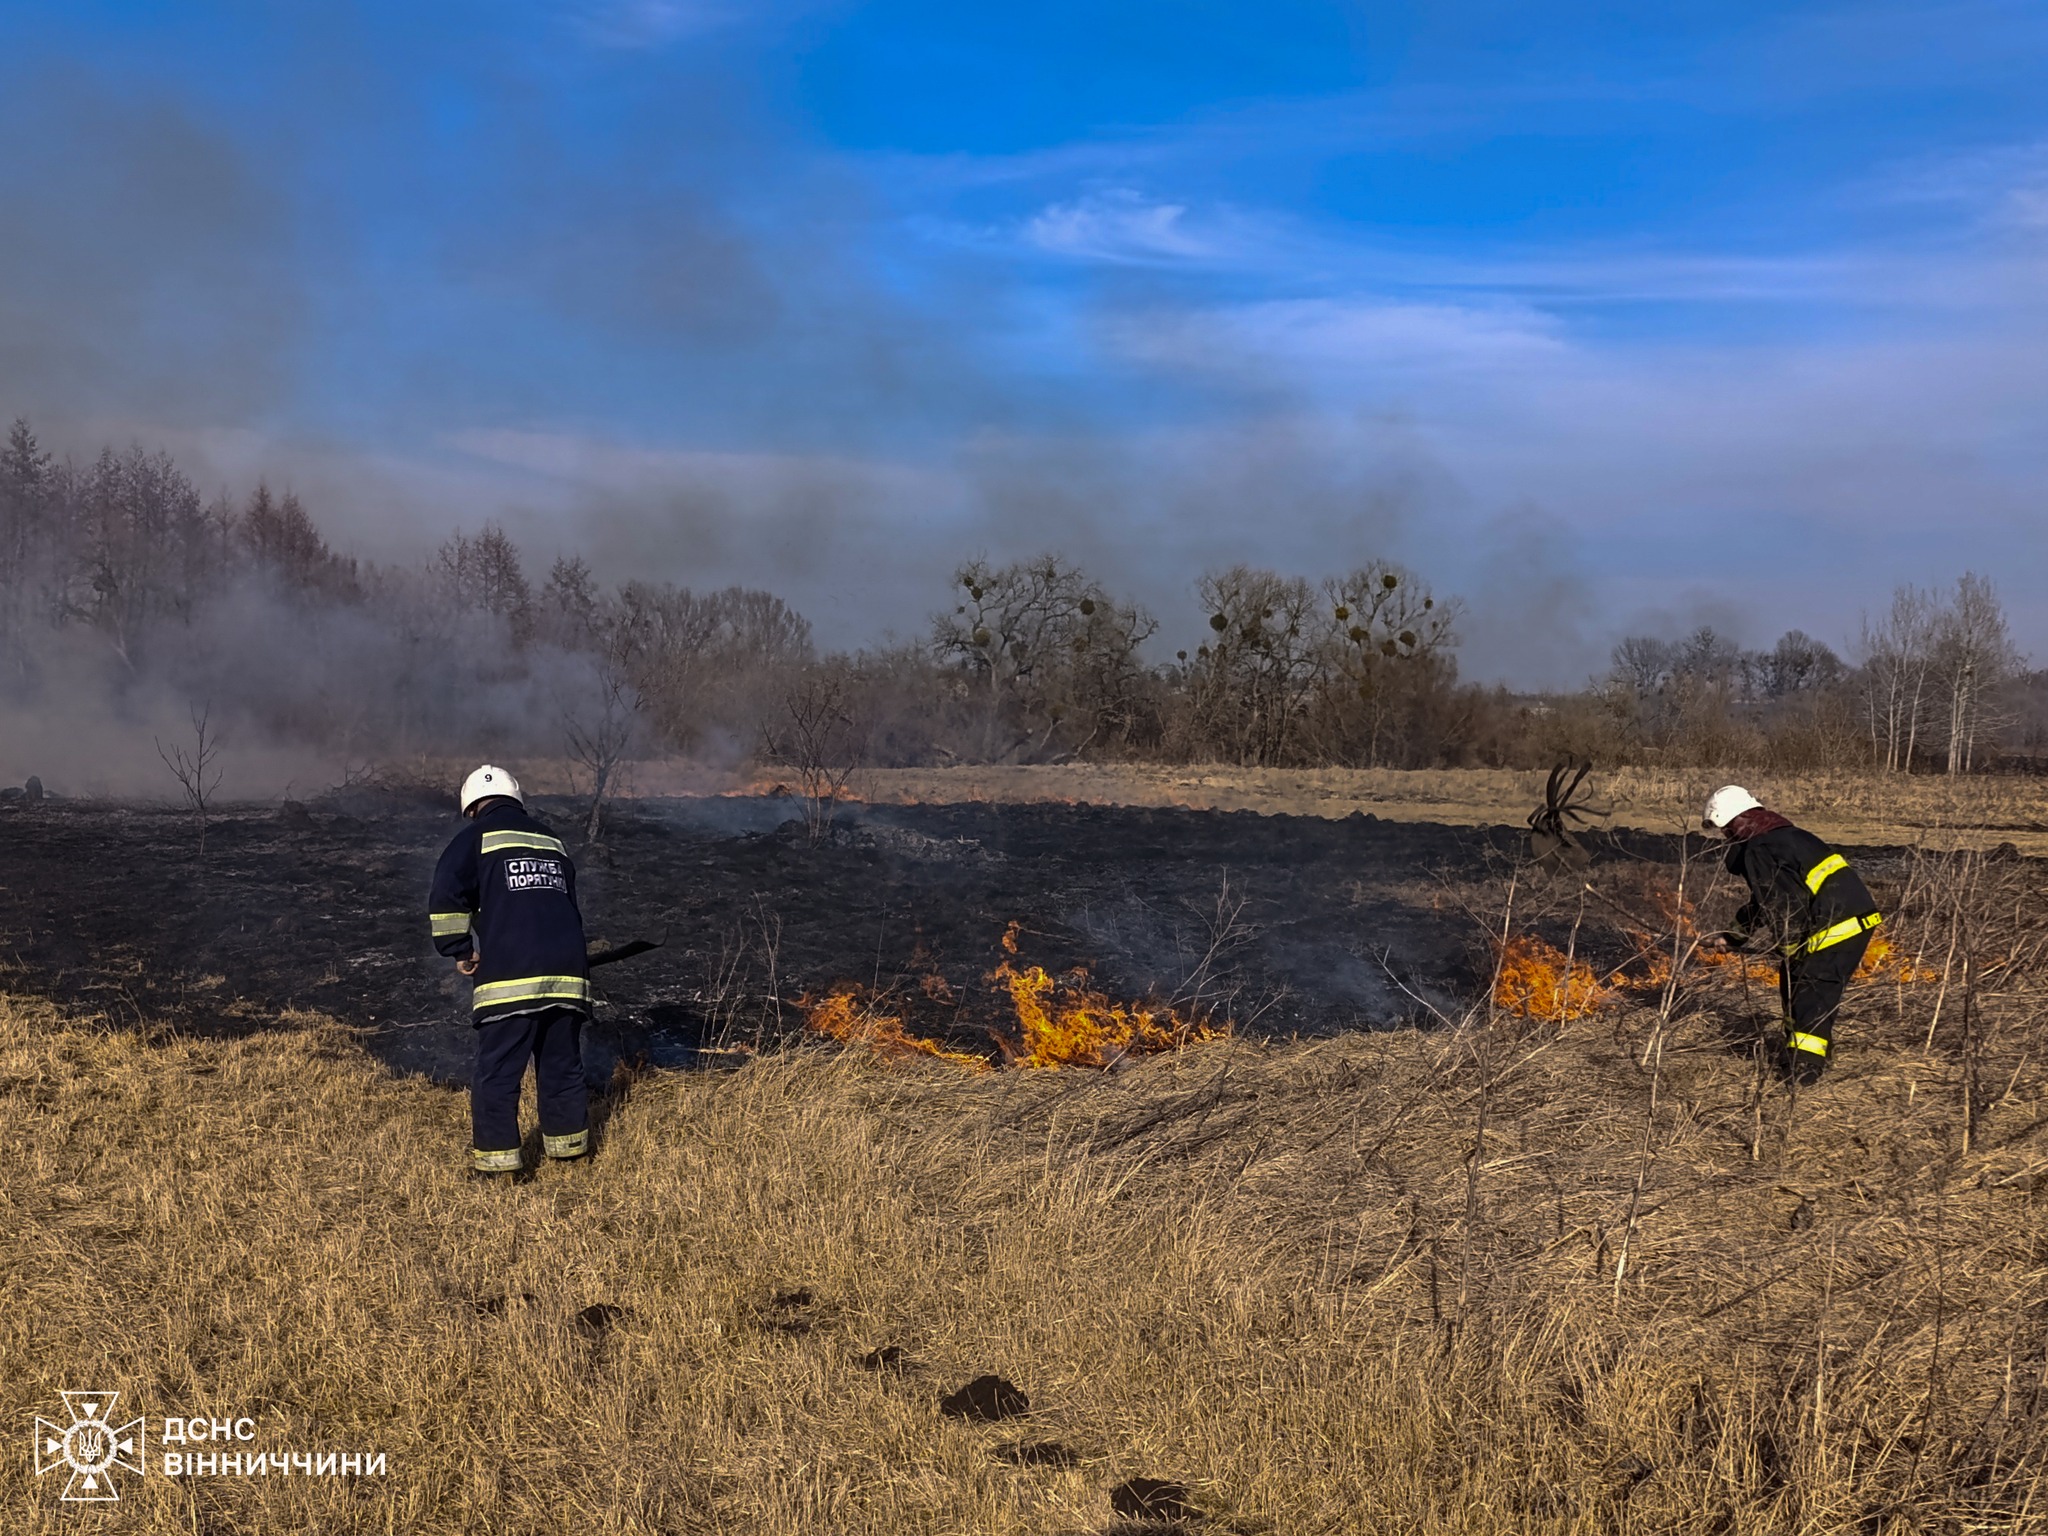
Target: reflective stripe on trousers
<point x="494" y="1162"/>
<point x="575" y="1144"/>
<point x="1848" y="928"/>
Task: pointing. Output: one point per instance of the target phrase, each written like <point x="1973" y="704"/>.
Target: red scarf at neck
<point x="1754" y="824"/>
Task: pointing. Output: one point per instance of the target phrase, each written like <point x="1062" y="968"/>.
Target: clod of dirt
<point x="2004" y="853"/>
<point x="1037" y="1453"/>
<point x="494" y="1306"/>
<point x="1152" y="1498"/>
<point x="780" y="1313"/>
<point x="1633" y="1472"/>
<point x="986" y="1398"/>
<point x="597" y="1318"/>
<point x="1801" y="1217"/>
<point x="293" y="813"/>
<point x="889" y="1358"/>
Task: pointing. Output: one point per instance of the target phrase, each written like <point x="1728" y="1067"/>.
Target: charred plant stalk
<point x="1654" y="1060"/>
<point x="196" y="771"/>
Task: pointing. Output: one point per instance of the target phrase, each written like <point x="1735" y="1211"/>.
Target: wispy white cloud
<point x="1334" y="340"/>
<point x="1119" y="225"/>
<point x="1993" y="187"/>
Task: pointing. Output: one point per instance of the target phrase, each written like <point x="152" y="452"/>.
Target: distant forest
<point x="119" y="575"/>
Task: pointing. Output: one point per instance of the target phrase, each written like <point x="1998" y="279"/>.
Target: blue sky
<point x="1604" y="317"/>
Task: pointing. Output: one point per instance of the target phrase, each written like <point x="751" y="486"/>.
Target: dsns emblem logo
<point x="90" y="1446"/>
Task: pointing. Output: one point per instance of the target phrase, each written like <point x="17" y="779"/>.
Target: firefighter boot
<point x="1806" y="1058"/>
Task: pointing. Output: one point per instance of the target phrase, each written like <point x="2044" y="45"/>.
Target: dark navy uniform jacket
<point x="506" y="888"/>
<point x="1801" y="889"/>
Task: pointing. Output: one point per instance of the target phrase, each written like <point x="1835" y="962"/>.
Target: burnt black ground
<point x="115" y="907"/>
<point x="1344" y="924"/>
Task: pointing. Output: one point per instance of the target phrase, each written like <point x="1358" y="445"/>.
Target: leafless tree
<point x="710" y="665"/>
<point x="1898" y="659"/>
<point x="1387" y="636"/>
<point x="196" y="771"/>
<point x="1054" y="659"/>
<point x="1973" y="661"/>
<point x="1252" y="685"/>
<point x="823" y="738"/>
<point x="600" y="728"/>
<point x="485" y="575"/>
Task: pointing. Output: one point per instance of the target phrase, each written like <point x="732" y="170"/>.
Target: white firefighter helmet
<point x="1727" y="803"/>
<point x="487" y="782"/>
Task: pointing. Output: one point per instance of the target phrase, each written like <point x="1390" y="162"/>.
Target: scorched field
<point x="1031" y="1168"/>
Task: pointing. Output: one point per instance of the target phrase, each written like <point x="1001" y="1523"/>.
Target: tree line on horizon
<point x="117" y="577"/>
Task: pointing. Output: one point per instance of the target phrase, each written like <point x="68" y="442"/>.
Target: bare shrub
<point x="600" y="728"/>
<point x="197" y="770"/>
<point x="823" y="738"/>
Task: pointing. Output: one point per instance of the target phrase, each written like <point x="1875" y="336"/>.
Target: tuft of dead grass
<point x="1574" y="1278"/>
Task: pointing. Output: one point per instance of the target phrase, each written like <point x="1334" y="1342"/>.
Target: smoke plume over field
<point x="134" y="611"/>
<point x="722" y="299"/>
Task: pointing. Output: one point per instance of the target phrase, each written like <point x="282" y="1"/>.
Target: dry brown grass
<point x="1854" y="808"/>
<point x="1857" y="808"/>
<point x="1371" y="1284"/>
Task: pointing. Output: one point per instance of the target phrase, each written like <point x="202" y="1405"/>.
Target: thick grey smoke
<point x="150" y="269"/>
<point x="692" y="347"/>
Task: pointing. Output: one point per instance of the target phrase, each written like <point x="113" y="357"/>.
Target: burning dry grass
<point x="1536" y="980"/>
<point x="1601" y="1277"/>
<point x="1059" y="1021"/>
<point x="1540" y="981"/>
<point x="845" y="1015"/>
<point x="1064" y="1022"/>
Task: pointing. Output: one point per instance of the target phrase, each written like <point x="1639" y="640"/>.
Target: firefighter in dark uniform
<point x="504" y="909"/>
<point x="1807" y="898"/>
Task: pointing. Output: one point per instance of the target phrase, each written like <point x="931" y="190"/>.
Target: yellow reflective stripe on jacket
<point x="448" y="924"/>
<point x="534" y="989"/>
<point x="1817" y="876"/>
<point x="1847" y="928"/>
<point x="1813" y="1045"/>
<point x="498" y="842"/>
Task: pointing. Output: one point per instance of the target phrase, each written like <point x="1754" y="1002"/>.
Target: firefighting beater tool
<point x="1555" y="824"/>
<point x="624" y="951"/>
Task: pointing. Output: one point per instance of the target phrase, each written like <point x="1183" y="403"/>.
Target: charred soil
<point x="1275" y="926"/>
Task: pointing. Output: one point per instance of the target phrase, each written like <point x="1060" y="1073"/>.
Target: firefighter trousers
<point x="1811" y="987"/>
<point x="553" y="1040"/>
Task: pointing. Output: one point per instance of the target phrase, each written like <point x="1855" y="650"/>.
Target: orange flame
<point x="1062" y="1022"/>
<point x="1887" y="962"/>
<point x="1536" y="982"/>
<point x="842" y="1015"/>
